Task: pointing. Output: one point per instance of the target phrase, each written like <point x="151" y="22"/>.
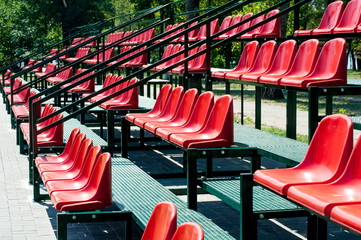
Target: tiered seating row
<point x="284" y="66"/>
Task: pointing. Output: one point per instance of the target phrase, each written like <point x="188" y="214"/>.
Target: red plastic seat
<point x="329" y="70"/>
<point x="176" y="48"/>
<point x="162" y="223"/>
<point x="20" y="97"/>
<point x="324" y="162"/>
<point x="62" y="157"/>
<point x="330" y="19"/>
<point x="302" y="65"/>
<point x="350" y="19"/>
<point x="112" y="80"/>
<point x="166" y="53"/>
<point x="169" y="110"/>
<point x="70" y="169"/>
<point x="245" y="61"/>
<point x="50" y="137"/>
<point x="83" y="177"/>
<point x="346" y="190"/>
<point x="225" y="23"/>
<point x="97" y="194"/>
<point x="199" y="63"/>
<point x="255" y="31"/>
<point x="48" y="108"/>
<point x="189" y="231"/>
<point x="18" y="82"/>
<point x="246" y="25"/>
<point x="5" y="79"/>
<point x="180" y="69"/>
<point x="50" y="67"/>
<point x="101" y="57"/>
<point x="61" y="76"/>
<point x="261" y="63"/>
<point x="88" y="86"/>
<point x="126" y="100"/>
<point x="217" y="132"/>
<point x="31" y="63"/>
<point x="197" y="119"/>
<point x="106" y="82"/>
<point x="272" y="28"/>
<point x="191" y="34"/>
<point x="234" y="20"/>
<point x="138" y="61"/>
<point x="348" y="216"/>
<point x="22" y="111"/>
<point x="202" y="32"/>
<point x="281" y="64"/>
<point x="182" y="115"/>
<point x="82" y="52"/>
<point x="158" y="107"/>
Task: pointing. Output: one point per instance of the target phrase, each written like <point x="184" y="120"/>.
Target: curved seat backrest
<point x="253" y="22"/>
<point x="225" y="23"/>
<point x="90" y="162"/>
<point x="235" y="19"/>
<point x="331" y="16"/>
<point x="186" y="105"/>
<point x="69" y="144"/>
<point x="100" y="182"/>
<point x="189" y="231"/>
<point x="245" y="25"/>
<point x="264" y="57"/>
<point x="75" y="147"/>
<point x="50" y="67"/>
<point x="200" y="61"/>
<point x="162" y="223"/>
<point x="161" y="100"/>
<point x="82" y="152"/>
<point x="221" y="119"/>
<point x="351" y="16"/>
<point x="283" y="57"/>
<point x="330" y="146"/>
<point x="305" y="58"/>
<point x="201" y="110"/>
<point x="271" y="28"/>
<point x="173" y="102"/>
<point x="247" y="57"/>
<point x="331" y="63"/>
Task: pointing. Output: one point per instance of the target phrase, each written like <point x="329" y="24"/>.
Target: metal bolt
<point x="324" y="90"/>
<point x="73" y="217"/>
<point x="261" y="216"/>
<point x="222" y="152"/>
<point x="204" y="152"/>
<point x="342" y="89"/>
<point x="94" y="216"/>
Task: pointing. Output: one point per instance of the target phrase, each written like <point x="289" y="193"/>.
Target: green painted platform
<point x="134" y="190"/>
<point x="283" y="149"/>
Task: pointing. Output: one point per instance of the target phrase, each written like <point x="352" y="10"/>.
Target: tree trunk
<point x="192" y="5"/>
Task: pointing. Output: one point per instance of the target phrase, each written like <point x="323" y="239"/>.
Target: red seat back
<point x="235" y="20"/>
<point x="172" y="104"/>
<point x="330" y="19"/>
<point x="305" y="58"/>
<point x="186" y="105"/>
<point x="162" y="223"/>
<point x="69" y="144"/>
<point x="189" y="231"/>
<point x="271" y="28"/>
<point x="264" y="57"/>
<point x="350" y="18"/>
<point x="248" y="56"/>
<point x="245" y="25"/>
<point x="50" y="67"/>
<point x="225" y="23"/>
<point x="161" y="100"/>
<point x="253" y="22"/>
<point x="283" y="57"/>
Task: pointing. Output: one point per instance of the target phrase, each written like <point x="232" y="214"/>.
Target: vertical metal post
<point x="313" y="101"/>
<point x="291" y="114"/>
<point x="61" y="219"/>
<point x="208" y="57"/>
<point x="125" y="135"/>
<point x="248" y="223"/>
<point x="110" y="131"/>
<point x="242" y="104"/>
<point x="329" y="102"/>
<point x="209" y="171"/>
<point x="191" y="181"/>
<point x="258" y="107"/>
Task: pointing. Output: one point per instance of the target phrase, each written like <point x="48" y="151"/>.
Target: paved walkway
<point x="20" y="217"/>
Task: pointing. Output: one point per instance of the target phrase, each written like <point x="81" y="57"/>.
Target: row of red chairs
<point x="270" y="29"/>
<point x="100" y="57"/>
<point x="50" y="137"/>
<point x="135" y="62"/>
<point x="81" y="52"/>
<point x="140" y="38"/>
<point x="195" y="65"/>
<point x="189" y="120"/>
<point x="336" y="20"/>
<point x="328" y="180"/>
<point x="126" y="100"/>
<point x="85" y="87"/>
<point x="162" y="225"/>
<point x="77" y="41"/>
<point x="287" y="66"/>
<point x="5" y="79"/>
<point x="79" y="179"/>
